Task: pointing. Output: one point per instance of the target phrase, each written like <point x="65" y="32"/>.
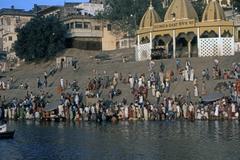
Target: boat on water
<point x="4" y="133"/>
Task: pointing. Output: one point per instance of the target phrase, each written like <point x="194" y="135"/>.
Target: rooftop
<point x="49" y="9"/>
<point x="13" y="11"/>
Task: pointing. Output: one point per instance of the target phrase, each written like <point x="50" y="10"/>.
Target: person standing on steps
<point x="62" y="83"/>
<point x="45" y="79"/>
<point x="188" y="96"/>
<point x="38" y="82"/>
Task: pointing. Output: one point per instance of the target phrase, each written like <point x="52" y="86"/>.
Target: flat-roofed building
<point x="89" y="33"/>
<point x="10" y="20"/>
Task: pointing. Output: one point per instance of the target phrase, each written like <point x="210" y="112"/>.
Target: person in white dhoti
<point x="195" y="82"/>
<point x="233" y="109"/>
<point x="60" y="110"/>
<point x="199" y="115"/>
<point x="184" y="108"/>
<point x="145" y="113"/>
<point x="161" y="76"/>
<point x="140" y="101"/>
<point x="143" y="78"/>
<point x="5" y="113"/>
<point x="153" y="90"/>
<point x="195" y="91"/>
<point x="188" y="63"/>
<point x="76" y="99"/>
<point x="216" y="113"/>
<point x="192" y="74"/>
<point x="140" y="82"/>
<point x="125" y="112"/>
<point x="9" y="113"/>
<point x="186" y="75"/>
<point x="131" y="82"/>
<point x="62" y="83"/>
<point x="149" y="84"/>
<point x="178" y="110"/>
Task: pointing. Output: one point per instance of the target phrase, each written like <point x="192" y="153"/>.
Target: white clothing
<point x="37" y="115"/>
<point x="153" y="90"/>
<point x="3" y="128"/>
<point x="62" y="83"/>
<point x="140" y="82"/>
<point x="186" y="75"/>
<point x="131" y="81"/>
<point x="158" y="94"/>
<point x="191" y="108"/>
<point x="216" y="110"/>
<point x="76" y="99"/>
<point x="140" y="99"/>
<point x="195" y="91"/>
<point x="60" y="110"/>
<point x="161" y="75"/>
<point x="149" y="84"/>
<point x="233" y="107"/>
<point x="126" y="112"/>
<point x="145" y="113"/>
<point x="191" y="74"/>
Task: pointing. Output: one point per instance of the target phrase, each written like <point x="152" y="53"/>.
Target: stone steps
<point x="29" y="73"/>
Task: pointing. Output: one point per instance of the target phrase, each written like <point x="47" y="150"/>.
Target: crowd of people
<point x="6" y="84"/>
<point x="71" y="108"/>
<point x="156" y="84"/>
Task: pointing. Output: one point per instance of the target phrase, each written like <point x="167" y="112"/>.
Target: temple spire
<point x="150" y="3"/>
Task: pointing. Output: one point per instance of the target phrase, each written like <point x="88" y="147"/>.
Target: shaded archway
<point x="161" y="46"/>
<point x="192" y="44"/>
<point x="158" y="42"/>
<point x="226" y="34"/>
<point x="186" y="44"/>
<point x="194" y="47"/>
<point x="144" y="40"/>
<point x="211" y="34"/>
<point x="181" y="45"/>
<point x="158" y="48"/>
<point x="167" y="39"/>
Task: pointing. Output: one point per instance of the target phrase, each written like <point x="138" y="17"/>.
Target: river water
<point x="170" y="140"/>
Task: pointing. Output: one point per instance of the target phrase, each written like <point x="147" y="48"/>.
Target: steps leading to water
<point x="29" y="72"/>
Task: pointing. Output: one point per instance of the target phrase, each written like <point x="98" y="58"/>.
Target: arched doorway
<point x="181" y="45"/>
<point x="158" y="50"/>
<point x="161" y="45"/>
<point x="211" y="34"/>
<point x="194" y="47"/>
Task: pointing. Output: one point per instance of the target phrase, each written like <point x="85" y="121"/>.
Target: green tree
<point x="127" y="14"/>
<point x="199" y="7"/>
<point x="236" y="5"/>
<point x="40" y="38"/>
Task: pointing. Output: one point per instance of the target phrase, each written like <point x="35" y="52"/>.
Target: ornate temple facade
<point x="183" y="34"/>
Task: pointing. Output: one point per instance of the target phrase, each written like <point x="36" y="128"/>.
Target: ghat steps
<point x="29" y="72"/>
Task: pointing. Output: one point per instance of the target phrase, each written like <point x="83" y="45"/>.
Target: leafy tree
<point x="40" y="38"/>
<point x="127" y="14"/>
<point x="199" y="7"/>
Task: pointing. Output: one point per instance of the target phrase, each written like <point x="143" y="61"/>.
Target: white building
<point x="90" y="8"/>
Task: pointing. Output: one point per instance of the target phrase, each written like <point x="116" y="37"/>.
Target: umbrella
<point x="107" y="103"/>
<point x="102" y="57"/>
<point x="50" y="107"/>
<point x="212" y="97"/>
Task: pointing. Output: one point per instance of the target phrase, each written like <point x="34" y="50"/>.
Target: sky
<point x="28" y="4"/>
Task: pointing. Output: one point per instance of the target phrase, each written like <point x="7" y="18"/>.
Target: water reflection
<point x="124" y="140"/>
